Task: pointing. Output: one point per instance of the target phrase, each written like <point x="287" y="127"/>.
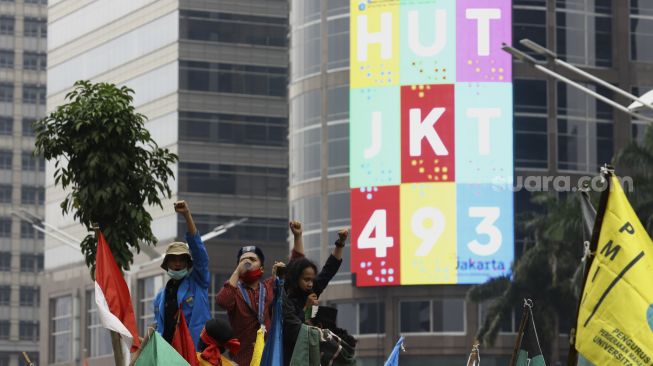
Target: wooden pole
<point x="118" y="357"/>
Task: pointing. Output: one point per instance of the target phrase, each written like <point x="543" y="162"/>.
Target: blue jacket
<point x="193" y="292"/>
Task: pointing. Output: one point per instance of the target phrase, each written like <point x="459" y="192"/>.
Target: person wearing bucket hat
<point x="248" y="299"/>
<point x="187" y="266"/>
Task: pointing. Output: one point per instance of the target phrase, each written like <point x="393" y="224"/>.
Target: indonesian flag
<point x="113" y="299"/>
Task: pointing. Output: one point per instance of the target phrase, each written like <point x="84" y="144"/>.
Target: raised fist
<point x="295" y="227"/>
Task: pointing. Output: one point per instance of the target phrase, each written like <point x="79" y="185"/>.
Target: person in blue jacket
<point x="187" y="266"/>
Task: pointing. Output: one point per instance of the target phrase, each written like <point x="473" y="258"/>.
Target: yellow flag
<point x="258" y="347"/>
<point x="615" y="318"/>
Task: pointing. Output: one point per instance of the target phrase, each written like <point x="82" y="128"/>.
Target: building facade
<point x="211" y="76"/>
<point x="23" y="34"/>
<point x="557" y="131"/>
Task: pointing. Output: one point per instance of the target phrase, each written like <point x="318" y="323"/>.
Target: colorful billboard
<point x="431" y="160"/>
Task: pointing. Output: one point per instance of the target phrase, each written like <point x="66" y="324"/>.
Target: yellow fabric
<point x="225" y="361"/>
<point x="258" y="347"/>
<point x="615" y="321"/>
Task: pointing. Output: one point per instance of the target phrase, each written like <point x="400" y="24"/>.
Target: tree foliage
<point x="549" y="272"/>
<point x="109" y="162"/>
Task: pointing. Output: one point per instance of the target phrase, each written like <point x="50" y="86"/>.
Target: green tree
<point x="544" y="273"/>
<point x="111" y="165"/>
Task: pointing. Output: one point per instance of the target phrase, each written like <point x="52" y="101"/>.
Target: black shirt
<point x="171" y="307"/>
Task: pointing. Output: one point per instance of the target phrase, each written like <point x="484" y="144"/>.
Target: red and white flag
<point x="113" y="299"/>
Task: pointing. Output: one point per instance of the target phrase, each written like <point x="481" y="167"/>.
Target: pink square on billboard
<point x="482" y="26"/>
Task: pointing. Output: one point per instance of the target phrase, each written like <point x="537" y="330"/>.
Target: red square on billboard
<point x="427" y="133"/>
<point x="375" y="235"/>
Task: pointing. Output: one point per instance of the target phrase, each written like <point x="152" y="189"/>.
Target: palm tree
<point x="549" y="270"/>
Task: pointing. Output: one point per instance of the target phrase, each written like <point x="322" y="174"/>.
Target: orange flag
<point x="182" y="340"/>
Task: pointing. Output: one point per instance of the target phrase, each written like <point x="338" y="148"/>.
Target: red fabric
<point x="251" y="276"/>
<point x="243" y="320"/>
<point x="115" y="290"/>
<point x="182" y="340"/>
<point x="212" y="352"/>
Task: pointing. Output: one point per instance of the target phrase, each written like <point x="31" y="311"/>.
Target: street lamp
<point x="552" y="59"/>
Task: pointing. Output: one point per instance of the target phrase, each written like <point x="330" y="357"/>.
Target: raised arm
<point x="332" y="264"/>
<point x="196" y="246"/>
<point x="298" y="242"/>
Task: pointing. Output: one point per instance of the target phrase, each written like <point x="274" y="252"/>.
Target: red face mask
<point x="251" y="276"/>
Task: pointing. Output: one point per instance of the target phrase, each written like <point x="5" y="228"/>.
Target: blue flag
<point x="393" y="359"/>
<point x="273" y="351"/>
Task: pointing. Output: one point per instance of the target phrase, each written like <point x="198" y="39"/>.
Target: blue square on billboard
<point x="485" y="232"/>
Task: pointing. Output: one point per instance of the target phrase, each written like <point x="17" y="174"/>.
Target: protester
<point x="247" y="299"/>
<point x="187" y="288"/>
<point x="320" y="342"/>
<point x="303" y="283"/>
<point x="217" y="344"/>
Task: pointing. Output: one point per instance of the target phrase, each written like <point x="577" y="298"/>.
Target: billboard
<point x="431" y="160"/>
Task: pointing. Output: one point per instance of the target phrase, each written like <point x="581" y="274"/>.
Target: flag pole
<point x="588" y="257"/>
<point x="528" y="303"/>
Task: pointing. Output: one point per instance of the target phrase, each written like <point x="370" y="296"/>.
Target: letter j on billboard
<point x="430" y="140"/>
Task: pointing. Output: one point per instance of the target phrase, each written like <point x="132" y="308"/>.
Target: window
<point x="34" y="61"/>
<point x="305" y="51"/>
<point x="305" y="154"/>
<point x="217" y="282"/>
<point x="30" y="296"/>
<point x="305" y="109"/>
<point x="27" y="231"/>
<point x="39" y="2"/>
<point x="5" y="193"/>
<point x="6" y="126"/>
<point x="584" y="31"/>
<point x="361" y="318"/>
<point x="338" y="145"/>
<point x="61" y="338"/>
<point x="34" y="94"/>
<point x="4" y="356"/>
<point x="233" y="28"/>
<point x="338" y="43"/>
<point x="7" y="24"/>
<point x="232" y="78"/>
<point x="308" y="210"/>
<point x="5" y="261"/>
<point x="5" y="227"/>
<point x="28" y="126"/>
<point x="5" y="293"/>
<point x="147" y="290"/>
<point x="31" y="262"/>
<point x="4" y="329"/>
<point x="233" y="128"/>
<point x="255" y="229"/>
<point x="6" y="91"/>
<point x="98" y="338"/>
<point x="529" y="21"/>
<point x="32" y="195"/>
<point x="238" y="180"/>
<point x="641" y="30"/>
<point x="28" y="331"/>
<point x="6" y="59"/>
<point x="31" y="162"/>
<point x="585" y="130"/>
<point x="530" y="125"/>
<point x="509" y="323"/>
<point x="336" y="7"/>
<point x="339" y="210"/>
<point x="304" y="11"/>
<point x="5" y="159"/>
<point x="35" y="27"/>
<point x="433" y="316"/>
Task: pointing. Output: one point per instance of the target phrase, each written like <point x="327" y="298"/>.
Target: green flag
<point x="527" y="350"/>
<point x="158" y="352"/>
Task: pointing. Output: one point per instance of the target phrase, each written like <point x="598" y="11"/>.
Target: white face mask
<point x="177" y="275"/>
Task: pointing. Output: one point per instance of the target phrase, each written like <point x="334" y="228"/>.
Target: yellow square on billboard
<point x="428" y="233"/>
<point x="374" y="49"/>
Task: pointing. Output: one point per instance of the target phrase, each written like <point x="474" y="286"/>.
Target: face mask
<point x="251" y="276"/>
<point x="177" y="275"/>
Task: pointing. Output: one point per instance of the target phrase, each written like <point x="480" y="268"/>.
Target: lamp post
<point x="553" y="60"/>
